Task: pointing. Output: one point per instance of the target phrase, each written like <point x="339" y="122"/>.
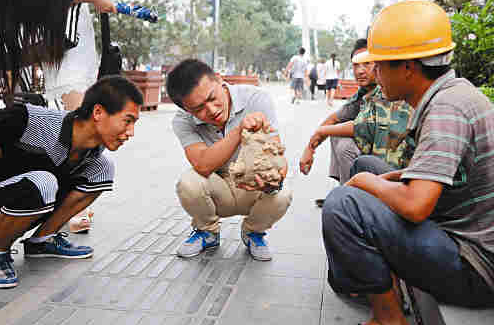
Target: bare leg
<point x="12" y="228"/>
<point x="74" y="203"/>
<point x="386" y="309"/>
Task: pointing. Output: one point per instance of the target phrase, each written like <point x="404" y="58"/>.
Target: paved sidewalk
<point x="135" y="276"/>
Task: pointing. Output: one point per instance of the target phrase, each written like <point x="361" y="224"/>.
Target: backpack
<point x="313" y="73"/>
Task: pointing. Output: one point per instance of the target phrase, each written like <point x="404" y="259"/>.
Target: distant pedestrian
<point x="321" y="75"/>
<point x="332" y="73"/>
<point x="298" y="65"/>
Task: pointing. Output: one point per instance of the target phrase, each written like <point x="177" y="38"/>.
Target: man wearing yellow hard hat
<point x="431" y="224"/>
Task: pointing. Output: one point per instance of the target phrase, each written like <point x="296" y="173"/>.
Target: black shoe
<point x="319" y="202"/>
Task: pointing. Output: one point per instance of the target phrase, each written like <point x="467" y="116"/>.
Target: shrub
<point x="489" y="92"/>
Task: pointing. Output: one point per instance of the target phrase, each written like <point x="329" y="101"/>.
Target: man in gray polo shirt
<point x="431" y="224"/>
<point x="209" y="125"/>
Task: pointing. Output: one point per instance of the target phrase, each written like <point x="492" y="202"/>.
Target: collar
<point x="67" y="126"/>
<point x="65" y="137"/>
<point x="237" y="105"/>
<point x="426" y="98"/>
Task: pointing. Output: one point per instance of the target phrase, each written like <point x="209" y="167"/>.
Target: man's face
<point x="392" y="80"/>
<point x="364" y="72"/>
<point x="208" y="101"/>
<point x="115" y="129"/>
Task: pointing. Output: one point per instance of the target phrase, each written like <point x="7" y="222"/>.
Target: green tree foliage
<point x="256" y="32"/>
<point x="453" y="6"/>
<point x="473" y="32"/>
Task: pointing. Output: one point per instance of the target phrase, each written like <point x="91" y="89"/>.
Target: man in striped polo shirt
<point x="52" y="166"/>
<point x="431" y="224"/>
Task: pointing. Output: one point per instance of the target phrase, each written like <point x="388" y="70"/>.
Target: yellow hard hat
<point x="408" y="30"/>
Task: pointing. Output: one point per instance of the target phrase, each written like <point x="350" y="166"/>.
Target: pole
<point x="216" y="33"/>
<point x="316" y="49"/>
<point x="305" y="28"/>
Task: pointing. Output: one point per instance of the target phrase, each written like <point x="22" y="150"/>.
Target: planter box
<point x="346" y="89"/>
<point x="150" y="83"/>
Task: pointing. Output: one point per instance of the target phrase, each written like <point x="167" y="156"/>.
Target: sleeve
<point x="185" y="130"/>
<point x="443" y="141"/>
<point x="350" y="109"/>
<point x="13" y="123"/>
<point x="364" y="129"/>
<point x="262" y="102"/>
<point x="95" y="175"/>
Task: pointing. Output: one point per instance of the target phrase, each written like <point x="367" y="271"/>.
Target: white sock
<point x="3" y="252"/>
<point x="41" y="239"/>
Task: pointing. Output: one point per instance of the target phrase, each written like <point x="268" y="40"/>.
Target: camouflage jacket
<point x="380" y="129"/>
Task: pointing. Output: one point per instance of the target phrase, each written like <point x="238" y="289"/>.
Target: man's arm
<point x="206" y="160"/>
<point x="414" y="200"/>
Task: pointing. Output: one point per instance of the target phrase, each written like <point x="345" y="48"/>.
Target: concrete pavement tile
<point x="338" y="311"/>
<point x="26" y="305"/>
<point x="268" y="314"/>
<point x="279" y="291"/>
<point x="56" y="316"/>
<point x="460" y="316"/>
<point x="289" y="265"/>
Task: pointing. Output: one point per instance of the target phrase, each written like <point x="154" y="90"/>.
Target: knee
<point x="191" y="185"/>
<point x="361" y="164"/>
<point x="46" y="183"/>
<point x="338" y="208"/>
<point x="345" y="147"/>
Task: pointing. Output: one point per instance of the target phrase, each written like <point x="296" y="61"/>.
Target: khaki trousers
<point x="207" y="200"/>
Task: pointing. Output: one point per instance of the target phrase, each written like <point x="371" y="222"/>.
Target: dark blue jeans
<point x="365" y="241"/>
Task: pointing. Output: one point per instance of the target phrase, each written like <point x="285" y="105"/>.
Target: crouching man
<point x="52" y="166"/>
<point x="209" y="126"/>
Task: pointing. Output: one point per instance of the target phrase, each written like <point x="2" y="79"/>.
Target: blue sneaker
<point x="198" y="242"/>
<point x="8" y="276"/>
<point x="257" y="245"/>
<point x="56" y="246"/>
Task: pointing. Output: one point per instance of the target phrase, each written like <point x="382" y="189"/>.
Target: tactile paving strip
<point x="142" y="281"/>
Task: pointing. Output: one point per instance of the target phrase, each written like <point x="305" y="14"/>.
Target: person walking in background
<point x="298" y="66"/>
<point x="321" y="75"/>
<point x="313" y="79"/>
<point x="332" y="73"/>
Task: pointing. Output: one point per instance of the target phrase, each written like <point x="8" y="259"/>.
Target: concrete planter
<point x="150" y="83"/>
<point x="346" y="89"/>
<point x="238" y="79"/>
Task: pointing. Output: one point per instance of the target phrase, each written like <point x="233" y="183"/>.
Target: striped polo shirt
<point x="453" y="126"/>
<point x="34" y="138"/>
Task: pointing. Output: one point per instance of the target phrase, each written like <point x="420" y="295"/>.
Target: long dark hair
<point x="31" y="32"/>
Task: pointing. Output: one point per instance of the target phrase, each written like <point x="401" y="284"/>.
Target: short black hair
<point x="430" y="72"/>
<point x="184" y="77"/>
<point x="301" y="51"/>
<point x="361" y="43"/>
<point x="112" y="92"/>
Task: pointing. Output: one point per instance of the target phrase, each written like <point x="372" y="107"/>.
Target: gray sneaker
<point x="198" y="242"/>
<point x="257" y="245"/>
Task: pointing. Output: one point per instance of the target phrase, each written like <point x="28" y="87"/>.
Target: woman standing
<point x="332" y="72"/>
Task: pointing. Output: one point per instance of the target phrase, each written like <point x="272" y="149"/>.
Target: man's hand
<point x="362" y="180"/>
<point x="101" y="5"/>
<point x="262" y="185"/>
<point x="254" y="122"/>
<point x="317" y="139"/>
<point x="307" y="160"/>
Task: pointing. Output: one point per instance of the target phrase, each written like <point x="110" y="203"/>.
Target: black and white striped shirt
<point x="39" y="139"/>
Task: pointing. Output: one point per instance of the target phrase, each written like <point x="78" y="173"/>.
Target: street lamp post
<point x="216" y="33"/>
